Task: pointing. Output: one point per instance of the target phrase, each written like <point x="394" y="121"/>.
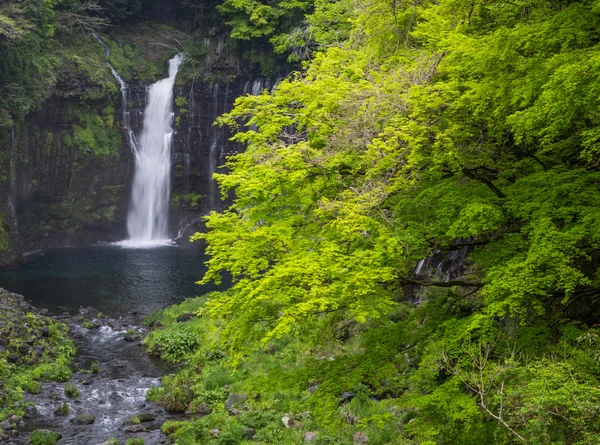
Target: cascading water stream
<point x="147" y="221"/>
<point x="124" y="95"/>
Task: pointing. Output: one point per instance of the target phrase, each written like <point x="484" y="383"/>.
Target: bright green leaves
<point x="560" y="215"/>
<point x="252" y="18"/>
<point x="476" y="219"/>
<point x="433" y="131"/>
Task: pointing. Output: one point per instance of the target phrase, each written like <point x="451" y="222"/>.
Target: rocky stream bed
<point x="106" y="396"/>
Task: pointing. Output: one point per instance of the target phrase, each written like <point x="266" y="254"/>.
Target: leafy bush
<point x="64" y="409"/>
<point x="42" y="437"/>
<point x="71" y="391"/>
<point x="178" y="343"/>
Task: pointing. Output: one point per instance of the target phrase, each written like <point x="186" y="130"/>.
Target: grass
<point x="63" y="410"/>
<point x="286" y="377"/>
<point x="40" y="437"/>
<point x="71" y="391"/>
<point x="26" y="376"/>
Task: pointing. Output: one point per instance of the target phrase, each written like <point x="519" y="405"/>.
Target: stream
<point x="125" y="285"/>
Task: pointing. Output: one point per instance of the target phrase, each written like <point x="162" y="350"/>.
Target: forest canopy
<point x="437" y="130"/>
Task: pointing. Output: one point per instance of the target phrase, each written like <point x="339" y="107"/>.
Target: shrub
<point x="43" y="437"/>
<point x="178" y="343"/>
<point x="32" y="387"/>
<point x="95" y="368"/>
<point x="54" y="372"/>
<point x="71" y="390"/>
<point x="135" y="442"/>
<point x="63" y="410"/>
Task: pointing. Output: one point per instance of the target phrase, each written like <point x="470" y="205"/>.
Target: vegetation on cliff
<point x="33" y="349"/>
<point x="415" y="129"/>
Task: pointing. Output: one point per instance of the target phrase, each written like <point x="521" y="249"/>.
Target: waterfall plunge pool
<point x="109" y="278"/>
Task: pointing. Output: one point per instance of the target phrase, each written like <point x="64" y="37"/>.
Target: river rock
<point x="83" y="419"/>
<point x="146" y="417"/>
<point x="347" y="396"/>
<point x="310" y="436"/>
<point x="134" y="429"/>
<point x="115" y="364"/>
<point x="201" y="410"/>
<point x="185" y="317"/>
<point x="235" y="401"/>
<point x="31" y="412"/>
<point x="288" y="422"/>
<point x="360" y="438"/>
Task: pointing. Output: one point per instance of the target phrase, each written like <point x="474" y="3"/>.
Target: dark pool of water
<point x="113" y="280"/>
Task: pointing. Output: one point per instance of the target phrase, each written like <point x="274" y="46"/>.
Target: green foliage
<point x="71" y="391"/>
<point x="188" y="200"/>
<point x="31" y="368"/>
<point x="135" y="442"/>
<point x="95" y="368"/>
<point x="42" y="437"/>
<point x="134" y="58"/>
<point x="414" y="130"/>
<point x="64" y="409"/>
<point x="96" y="133"/>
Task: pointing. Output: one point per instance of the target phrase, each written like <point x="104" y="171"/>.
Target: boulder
<point x="83" y="419"/>
<point x="146" y="417"/>
<point x="310" y="436"/>
<point x="288" y="422"/>
<point x="235" y="401"/>
<point x="31" y="412"/>
<point x="185" y="317"/>
<point x="134" y="429"/>
<point x="347" y="396"/>
<point x="203" y="409"/>
<point x="360" y="438"/>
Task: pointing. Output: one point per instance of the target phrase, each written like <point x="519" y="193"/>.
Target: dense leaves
<point x="424" y="130"/>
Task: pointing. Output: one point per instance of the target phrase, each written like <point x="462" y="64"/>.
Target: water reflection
<point x="110" y="279"/>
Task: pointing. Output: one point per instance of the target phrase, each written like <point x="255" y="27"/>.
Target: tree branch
<point x="450" y="283"/>
<point x="472" y="174"/>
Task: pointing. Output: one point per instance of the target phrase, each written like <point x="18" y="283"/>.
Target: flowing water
<point x="123" y="284"/>
<point x="114" y="395"/>
<point x="147" y="221"/>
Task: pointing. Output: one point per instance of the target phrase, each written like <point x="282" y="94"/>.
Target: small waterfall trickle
<point x="256" y="87"/>
<point x="147" y="220"/>
<point x="124" y="96"/>
<point x="212" y="155"/>
<point x="12" y="190"/>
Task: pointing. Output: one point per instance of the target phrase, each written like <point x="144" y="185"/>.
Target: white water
<point x="124" y="94"/>
<point x="147" y="220"/>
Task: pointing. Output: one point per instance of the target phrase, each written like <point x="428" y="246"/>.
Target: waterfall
<point x="147" y="220"/>
<point x="256" y="87"/>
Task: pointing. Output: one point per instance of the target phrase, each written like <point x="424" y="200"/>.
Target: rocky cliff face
<point x="67" y="168"/>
